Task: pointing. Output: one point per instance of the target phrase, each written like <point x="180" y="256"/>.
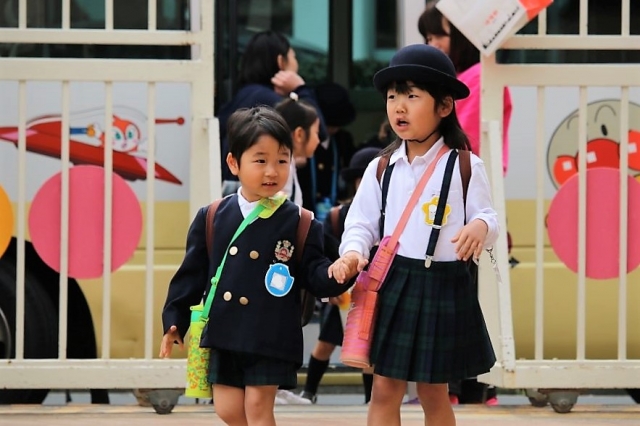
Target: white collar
<point x="246" y="207"/>
<point x="428" y="157"/>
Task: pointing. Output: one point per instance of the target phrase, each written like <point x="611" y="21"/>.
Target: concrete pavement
<point x="323" y="415"/>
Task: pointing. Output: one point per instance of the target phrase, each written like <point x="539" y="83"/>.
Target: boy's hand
<point x="347" y="266"/>
<point x="469" y="240"/>
<point x="167" y="342"/>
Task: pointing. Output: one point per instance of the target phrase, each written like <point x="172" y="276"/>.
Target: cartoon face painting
<point x="126" y="134"/>
<point x="603" y="141"/>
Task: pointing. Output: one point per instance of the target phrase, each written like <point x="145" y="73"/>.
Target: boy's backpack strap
<point x="465" y="176"/>
<point x="307" y="300"/>
<point x="334" y="217"/>
<point x="211" y="213"/>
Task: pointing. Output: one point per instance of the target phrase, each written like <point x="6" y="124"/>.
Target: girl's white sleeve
<point x="361" y="226"/>
<point x="479" y="204"/>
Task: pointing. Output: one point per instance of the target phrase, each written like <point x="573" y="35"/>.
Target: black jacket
<point x="260" y="323"/>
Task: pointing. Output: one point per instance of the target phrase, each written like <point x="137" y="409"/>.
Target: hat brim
<point x="419" y="74"/>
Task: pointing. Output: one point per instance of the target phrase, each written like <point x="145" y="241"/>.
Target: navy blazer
<point x="244" y="316"/>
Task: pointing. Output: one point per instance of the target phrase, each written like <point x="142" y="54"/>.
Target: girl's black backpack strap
<point x="442" y="204"/>
<point x="387" y="169"/>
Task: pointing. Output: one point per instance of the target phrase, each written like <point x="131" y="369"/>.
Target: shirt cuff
<point x="354" y="246"/>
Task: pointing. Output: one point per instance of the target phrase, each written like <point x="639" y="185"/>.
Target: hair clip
<point x="294" y="96"/>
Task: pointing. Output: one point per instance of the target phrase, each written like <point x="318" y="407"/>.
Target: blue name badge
<point x="278" y="280"/>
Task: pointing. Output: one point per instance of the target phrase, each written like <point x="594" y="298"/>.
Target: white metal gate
<point x="198" y="72"/>
<point x="541" y="372"/>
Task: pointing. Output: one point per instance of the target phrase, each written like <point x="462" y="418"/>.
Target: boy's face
<point x="411" y="115"/>
<point x="263" y="169"/>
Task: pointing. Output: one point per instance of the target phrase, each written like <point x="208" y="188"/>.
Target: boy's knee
<point x="230" y="414"/>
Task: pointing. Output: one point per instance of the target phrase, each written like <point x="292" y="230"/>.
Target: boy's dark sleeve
<point x="190" y="281"/>
<point x="315" y="266"/>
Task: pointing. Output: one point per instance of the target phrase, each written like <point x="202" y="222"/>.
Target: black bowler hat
<point x="334" y="102"/>
<point x="421" y="63"/>
<point x="359" y="163"/>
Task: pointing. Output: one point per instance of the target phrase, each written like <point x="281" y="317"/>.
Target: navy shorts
<point x="238" y="369"/>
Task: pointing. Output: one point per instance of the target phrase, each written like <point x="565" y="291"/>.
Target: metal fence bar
<point x="572" y="42"/>
<point x="22" y="207"/>
<point x="22" y="14"/>
<point x="99" y="37"/>
<point x="542" y="22"/>
<point x="64" y="224"/>
<point x="582" y="224"/>
<point x="583" y="28"/>
<point x="108" y="15"/>
<point x="626" y="16"/>
<point x="152" y="15"/>
<point x="572" y="75"/>
<point x="150" y="212"/>
<point x="66" y="14"/>
<point x="108" y="210"/>
<point x="623" y="229"/>
<point x="540" y="228"/>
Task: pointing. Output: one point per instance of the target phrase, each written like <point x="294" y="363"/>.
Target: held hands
<point x="469" y="240"/>
<point x="285" y="82"/>
<point x="348" y="266"/>
<point x="170" y="336"/>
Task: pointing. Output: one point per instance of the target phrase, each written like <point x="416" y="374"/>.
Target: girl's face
<point x="305" y="143"/>
<point x="290" y="63"/>
<point x="413" y="115"/>
<point x="441" y="41"/>
<point x="263" y="169"/>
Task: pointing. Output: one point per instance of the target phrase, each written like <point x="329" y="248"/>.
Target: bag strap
<point x="334" y="217"/>
<point x="211" y="213"/>
<point x="303" y="230"/>
<point x="442" y="204"/>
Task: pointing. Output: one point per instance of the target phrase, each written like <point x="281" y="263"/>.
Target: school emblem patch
<point x="429" y="209"/>
<point x="284" y="250"/>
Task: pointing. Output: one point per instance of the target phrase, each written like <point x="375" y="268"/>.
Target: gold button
<point x="244" y="301"/>
<point x="233" y="251"/>
<point x="227" y="296"/>
<point x="320" y="166"/>
<point x="254" y="254"/>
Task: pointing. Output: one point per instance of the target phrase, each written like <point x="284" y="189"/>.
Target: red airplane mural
<point x="44" y="136"/>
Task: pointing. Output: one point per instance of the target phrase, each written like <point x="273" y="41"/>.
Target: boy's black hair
<point x="260" y="59"/>
<point x="462" y="52"/>
<point x="246" y="125"/>
<point x="449" y="128"/>
<point x="297" y="113"/>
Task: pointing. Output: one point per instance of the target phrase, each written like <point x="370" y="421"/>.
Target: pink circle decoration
<point x="86" y="222"/>
<point x="603" y="223"/>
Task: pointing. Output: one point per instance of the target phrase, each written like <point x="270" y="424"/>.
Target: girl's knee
<point x="429" y="392"/>
<point x="387" y="390"/>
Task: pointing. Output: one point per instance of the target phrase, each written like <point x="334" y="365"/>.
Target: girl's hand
<point x="469" y="240"/>
<point x="347" y="266"/>
<point x="285" y="82"/>
<point x="167" y="342"/>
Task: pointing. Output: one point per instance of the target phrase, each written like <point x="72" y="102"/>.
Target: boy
<point x="254" y="326"/>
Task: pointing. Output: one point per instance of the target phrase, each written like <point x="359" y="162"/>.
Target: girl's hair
<point x="246" y="125"/>
<point x="449" y="127"/>
<point x="297" y="113"/>
<point x="260" y="59"/>
<point x="462" y="52"/>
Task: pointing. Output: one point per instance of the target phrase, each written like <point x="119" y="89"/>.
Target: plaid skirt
<point x="430" y="327"/>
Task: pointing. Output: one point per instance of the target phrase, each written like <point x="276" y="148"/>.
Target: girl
<point x="429" y="328"/>
<point x="440" y="33"/>
<point x="304" y="123"/>
<point x="268" y="73"/>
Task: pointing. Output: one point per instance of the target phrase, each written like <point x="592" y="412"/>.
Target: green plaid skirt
<point x="430" y="327"/>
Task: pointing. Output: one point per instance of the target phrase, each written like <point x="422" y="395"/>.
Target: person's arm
<point x="190" y="281"/>
<point x="479" y="204"/>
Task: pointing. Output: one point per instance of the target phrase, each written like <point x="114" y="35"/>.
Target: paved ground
<point x="338" y="415"/>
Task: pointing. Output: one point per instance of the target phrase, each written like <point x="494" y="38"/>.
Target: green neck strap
<point x="214" y="281"/>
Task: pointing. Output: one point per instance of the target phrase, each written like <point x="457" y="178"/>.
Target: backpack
<point x="307" y="300"/>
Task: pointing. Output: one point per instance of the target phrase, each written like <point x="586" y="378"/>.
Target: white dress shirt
<point x="361" y="226"/>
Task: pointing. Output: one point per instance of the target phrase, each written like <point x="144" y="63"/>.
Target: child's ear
<point x="445" y="107"/>
<point x="233" y="164"/>
<point x="299" y="135"/>
<point x="281" y="62"/>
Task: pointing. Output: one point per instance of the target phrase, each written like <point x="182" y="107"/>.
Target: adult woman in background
<point x="268" y="73"/>
<point x="442" y="34"/>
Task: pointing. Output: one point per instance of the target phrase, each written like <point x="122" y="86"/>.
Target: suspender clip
<point x="427" y="262"/>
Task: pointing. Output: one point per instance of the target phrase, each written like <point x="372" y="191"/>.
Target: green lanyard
<point x="214" y="281"/>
